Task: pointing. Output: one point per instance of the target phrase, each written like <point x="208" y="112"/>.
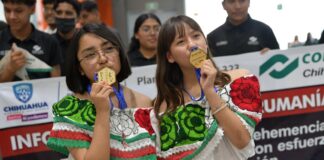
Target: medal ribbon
<point x="198" y="75"/>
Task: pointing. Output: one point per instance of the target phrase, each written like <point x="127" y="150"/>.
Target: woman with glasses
<point x="143" y="46"/>
<point x="101" y="119"/>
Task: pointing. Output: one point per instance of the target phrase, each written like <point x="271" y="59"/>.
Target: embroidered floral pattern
<point x="88" y="113"/>
<point x="142" y="117"/>
<point x="73" y="128"/>
<point x="186" y="126"/>
<point x="121" y="123"/>
<point x="191" y="119"/>
<point x="66" y="107"/>
<point x="168" y="132"/>
<point x="245" y="93"/>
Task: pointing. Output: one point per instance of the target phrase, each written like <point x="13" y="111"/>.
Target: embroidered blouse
<point x="189" y="132"/>
<point x="131" y="133"/>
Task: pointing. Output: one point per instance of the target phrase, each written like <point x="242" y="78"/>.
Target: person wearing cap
<point x="240" y="33"/>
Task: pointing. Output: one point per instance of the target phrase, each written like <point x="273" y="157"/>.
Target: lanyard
<point x="202" y="94"/>
<point x="119" y="94"/>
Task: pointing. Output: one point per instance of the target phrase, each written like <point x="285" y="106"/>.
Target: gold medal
<point x="197" y="57"/>
<point x="107" y="75"/>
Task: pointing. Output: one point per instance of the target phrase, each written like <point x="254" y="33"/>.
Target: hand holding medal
<point x="108" y="75"/>
<point x="100" y="90"/>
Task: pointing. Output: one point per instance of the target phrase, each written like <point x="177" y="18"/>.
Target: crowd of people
<point x="197" y="112"/>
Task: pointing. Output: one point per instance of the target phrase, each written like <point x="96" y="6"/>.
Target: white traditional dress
<point x="189" y="132"/>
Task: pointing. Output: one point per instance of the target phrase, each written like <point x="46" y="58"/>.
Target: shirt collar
<point x="229" y="25"/>
<point x="7" y="36"/>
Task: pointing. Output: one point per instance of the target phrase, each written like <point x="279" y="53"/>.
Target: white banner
<point x="29" y="102"/>
<point x="276" y="69"/>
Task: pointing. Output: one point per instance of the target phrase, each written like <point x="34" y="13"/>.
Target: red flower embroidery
<point x="245" y="93"/>
<point x="142" y="117"/>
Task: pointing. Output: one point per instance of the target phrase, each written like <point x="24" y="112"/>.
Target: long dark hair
<point x="77" y="82"/>
<point x="169" y="77"/>
<point x="134" y="44"/>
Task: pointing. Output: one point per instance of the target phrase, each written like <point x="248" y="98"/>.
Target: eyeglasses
<point x="149" y="29"/>
<point x="94" y="55"/>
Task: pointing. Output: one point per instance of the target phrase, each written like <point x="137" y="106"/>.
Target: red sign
<point x="24" y="140"/>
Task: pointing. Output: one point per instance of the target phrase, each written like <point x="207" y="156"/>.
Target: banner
<point x="26" y="117"/>
<point x="292" y="85"/>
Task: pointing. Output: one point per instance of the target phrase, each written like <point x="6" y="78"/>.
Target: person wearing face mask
<point x="66" y="14"/>
<point x="21" y="33"/>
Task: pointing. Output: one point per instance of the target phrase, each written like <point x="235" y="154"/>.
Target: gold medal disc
<point x="197" y="57"/>
<point x="107" y="75"/>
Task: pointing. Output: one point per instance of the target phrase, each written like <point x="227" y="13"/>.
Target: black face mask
<point x="65" y="25"/>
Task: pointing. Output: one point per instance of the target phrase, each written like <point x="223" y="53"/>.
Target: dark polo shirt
<point x="64" y="48"/>
<point x="38" y="43"/>
<point x="137" y="59"/>
<point x="249" y="36"/>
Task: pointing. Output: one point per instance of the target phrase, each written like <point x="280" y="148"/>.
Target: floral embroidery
<point x="66" y="107"/>
<point x="78" y="110"/>
<point x="186" y="126"/>
<point x="142" y="117"/>
<point x="168" y="132"/>
<point x="192" y="122"/>
<point x="245" y="93"/>
<point x="122" y="123"/>
<point x="88" y="113"/>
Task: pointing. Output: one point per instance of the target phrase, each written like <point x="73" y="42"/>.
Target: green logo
<point x="278" y="59"/>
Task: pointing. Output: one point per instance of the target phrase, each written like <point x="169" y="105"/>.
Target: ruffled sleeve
<point x="244" y="98"/>
<point x="73" y="124"/>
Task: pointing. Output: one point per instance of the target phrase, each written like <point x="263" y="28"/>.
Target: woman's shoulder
<point x="238" y="73"/>
<point x="141" y="100"/>
<point x="71" y="105"/>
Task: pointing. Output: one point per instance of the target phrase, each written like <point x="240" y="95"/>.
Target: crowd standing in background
<point x="295" y="43"/>
<point x="143" y="46"/>
<point x="240" y="33"/>
<point x="20" y="32"/>
<point x="310" y="40"/>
